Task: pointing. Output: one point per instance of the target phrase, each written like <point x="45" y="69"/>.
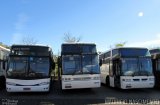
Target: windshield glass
<point x="39" y="67"/>
<point x="71" y="64"/>
<point x="90" y="64"/>
<point x="136" y="66"/>
<point x="145" y="66"/>
<point x="129" y="66"/>
<point x="17" y="67"/>
<point x="85" y="64"/>
<point x="28" y="67"/>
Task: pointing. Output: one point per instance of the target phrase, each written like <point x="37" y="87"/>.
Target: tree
<point x="122" y="44"/>
<point x="29" y="40"/>
<point x="71" y="39"/>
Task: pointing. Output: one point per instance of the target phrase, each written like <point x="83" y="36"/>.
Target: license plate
<point x="26" y="88"/>
<point x="68" y="86"/>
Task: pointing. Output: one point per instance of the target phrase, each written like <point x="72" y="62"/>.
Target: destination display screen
<point x="78" y="48"/>
<point x="30" y="50"/>
<point x="134" y="52"/>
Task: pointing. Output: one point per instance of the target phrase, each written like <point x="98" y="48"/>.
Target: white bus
<point x="29" y="68"/>
<point x="127" y="68"/>
<point x="80" y="66"/>
<point x="4" y="52"/>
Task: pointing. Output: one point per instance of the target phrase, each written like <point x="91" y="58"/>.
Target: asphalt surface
<point x="103" y="95"/>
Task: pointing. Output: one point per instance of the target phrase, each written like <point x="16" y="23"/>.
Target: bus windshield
<point x="39" y="67"/>
<point x="17" y="67"/>
<point x="129" y="66"/>
<point x="90" y="64"/>
<point x="80" y="64"/>
<point x="145" y="66"/>
<point x="136" y="67"/>
<point x="28" y="67"/>
<point x="71" y="64"/>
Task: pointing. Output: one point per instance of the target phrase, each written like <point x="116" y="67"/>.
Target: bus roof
<point x="155" y="51"/>
<point x="78" y="43"/>
<point x="15" y="46"/>
<point x="5" y="49"/>
<point x="23" y="45"/>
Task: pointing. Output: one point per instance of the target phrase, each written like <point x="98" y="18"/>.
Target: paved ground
<point x="103" y="95"/>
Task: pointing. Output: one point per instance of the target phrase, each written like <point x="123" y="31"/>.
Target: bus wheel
<point x="2" y="82"/>
<point x="107" y="81"/>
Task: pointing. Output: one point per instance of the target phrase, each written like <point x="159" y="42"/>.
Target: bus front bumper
<point x="80" y="84"/>
<point x="44" y="88"/>
<point x="137" y="82"/>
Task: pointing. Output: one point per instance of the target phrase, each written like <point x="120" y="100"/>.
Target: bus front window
<point x="71" y="65"/>
<point x="90" y="64"/>
<point x="145" y="66"/>
<point x="130" y="66"/>
<point x="17" y="67"/>
<point x="39" y="67"/>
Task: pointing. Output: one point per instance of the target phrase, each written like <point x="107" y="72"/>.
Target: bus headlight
<point x="67" y="79"/>
<point x="151" y="79"/>
<point x="44" y="83"/>
<point x="126" y="80"/>
<point x="96" y="78"/>
<point x="10" y="83"/>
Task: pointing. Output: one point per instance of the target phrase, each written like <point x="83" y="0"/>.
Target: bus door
<point x="156" y="68"/>
<point x="116" y="71"/>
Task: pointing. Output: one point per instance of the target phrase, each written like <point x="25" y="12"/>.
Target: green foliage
<point x="55" y="71"/>
<point x="120" y="44"/>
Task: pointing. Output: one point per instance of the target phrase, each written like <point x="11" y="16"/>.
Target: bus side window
<point x="110" y="68"/>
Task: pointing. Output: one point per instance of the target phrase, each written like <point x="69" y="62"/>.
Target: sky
<point x="104" y="22"/>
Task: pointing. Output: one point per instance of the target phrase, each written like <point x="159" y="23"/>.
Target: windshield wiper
<point x="77" y="72"/>
<point x="133" y="74"/>
<point x="144" y="73"/>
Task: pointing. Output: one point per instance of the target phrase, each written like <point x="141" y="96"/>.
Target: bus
<point x="4" y="52"/>
<point x="79" y="66"/>
<point x="29" y="68"/>
<point x="127" y="68"/>
<point x="155" y="53"/>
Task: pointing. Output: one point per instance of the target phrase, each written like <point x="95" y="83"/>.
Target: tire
<point x="2" y="82"/>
